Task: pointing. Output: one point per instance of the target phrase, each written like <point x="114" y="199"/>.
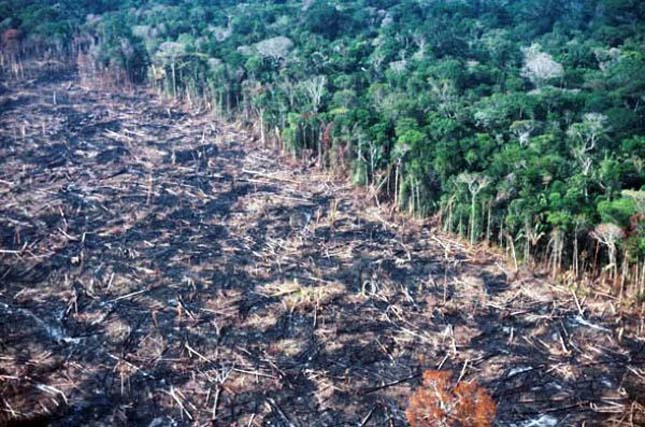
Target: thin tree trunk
<point x="397" y="173"/>
<point x="448" y="226"/>
<point x="472" y="219"/>
<point x="174" y="80"/>
<point x="419" y="197"/>
<point x="490" y="203"/>
<point x="575" y="254"/>
<point x="262" y="133"/>
<point x="512" y="246"/>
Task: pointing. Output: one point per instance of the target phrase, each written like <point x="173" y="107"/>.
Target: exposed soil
<point x="158" y="268"/>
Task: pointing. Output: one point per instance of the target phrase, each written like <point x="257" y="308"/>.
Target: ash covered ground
<point x="159" y="268"/>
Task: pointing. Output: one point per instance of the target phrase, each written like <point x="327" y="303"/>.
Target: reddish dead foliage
<point x="11" y="37"/>
<point x="634" y="222"/>
<point x="438" y="403"/>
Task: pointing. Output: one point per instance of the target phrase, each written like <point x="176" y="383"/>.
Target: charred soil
<point x="158" y="268"/>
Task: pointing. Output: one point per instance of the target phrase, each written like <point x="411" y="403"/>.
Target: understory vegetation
<point x="515" y="123"/>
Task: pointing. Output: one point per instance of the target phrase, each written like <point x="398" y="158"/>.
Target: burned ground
<point x="158" y="268"/>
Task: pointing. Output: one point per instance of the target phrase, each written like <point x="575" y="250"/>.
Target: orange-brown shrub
<point x="439" y="403"/>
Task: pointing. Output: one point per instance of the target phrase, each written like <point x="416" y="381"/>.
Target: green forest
<point x="519" y="123"/>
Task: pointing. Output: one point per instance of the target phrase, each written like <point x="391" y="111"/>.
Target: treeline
<point x="518" y="123"/>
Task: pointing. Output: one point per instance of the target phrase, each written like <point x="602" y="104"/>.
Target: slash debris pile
<point x="159" y="269"/>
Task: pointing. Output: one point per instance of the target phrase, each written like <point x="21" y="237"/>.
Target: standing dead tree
<point x="587" y="134"/>
<point x="168" y="55"/>
<point x="11" y="49"/>
<point x="522" y="130"/>
<point x="608" y="235"/>
<point x="540" y="67"/>
<point x="475" y="184"/>
<point x="315" y="89"/>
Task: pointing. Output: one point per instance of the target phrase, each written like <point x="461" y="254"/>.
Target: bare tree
<point x="445" y="93"/>
<point x="222" y="33"/>
<point x="475" y="183"/>
<point x="421" y="43"/>
<point x="522" y="130"/>
<point x="607" y="57"/>
<point x="315" y="89"/>
<point x="10" y="50"/>
<point x="592" y="128"/>
<point x="608" y="235"/>
<point x="587" y="134"/>
<point x="168" y="54"/>
<point x="275" y="47"/>
<point x="539" y="66"/>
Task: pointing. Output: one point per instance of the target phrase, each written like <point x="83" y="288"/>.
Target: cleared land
<point x="160" y="269"/>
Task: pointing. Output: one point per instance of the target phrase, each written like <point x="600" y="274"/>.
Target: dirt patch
<point x="157" y="271"/>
